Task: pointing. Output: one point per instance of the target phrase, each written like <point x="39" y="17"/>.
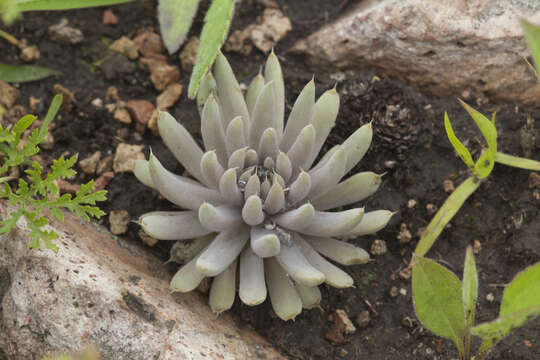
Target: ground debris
<point x="141" y="111"/>
<point x="126" y="46"/>
<point x="119" y="220"/>
<point x="89" y="164"/>
<point x="161" y="73"/>
<point x="169" y="96"/>
<point x="188" y="55"/>
<point x="341" y="327"/>
<point x="8" y="95"/>
<point x="125" y="156"/>
<point x="109" y="18"/>
<point x="64" y="34"/>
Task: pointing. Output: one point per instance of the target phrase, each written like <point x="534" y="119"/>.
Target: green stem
<point x="516" y="161"/>
<point x="447" y="211"/>
<point x="12" y="39"/>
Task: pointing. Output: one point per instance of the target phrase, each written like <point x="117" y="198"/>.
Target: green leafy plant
<point x="38" y="192"/>
<point x="446" y="305"/>
<point x="480" y="170"/>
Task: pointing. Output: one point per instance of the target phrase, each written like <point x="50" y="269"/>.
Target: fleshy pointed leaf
<point x="172" y="225"/>
<point x="272" y="73"/>
<point x="218" y="218"/>
<point x="372" y="222"/>
<point x="223" y="290"/>
<point x="253" y="91"/>
<point x="191" y="196"/>
<point x="222" y="251"/>
<point x="180" y="142"/>
<point x="263" y="115"/>
<point x="333" y="223"/>
<point x="283" y="296"/>
<point x="301" y="116"/>
<point x="212" y="130"/>
<point x="298" y="267"/>
<point x="339" y="251"/>
<point x="252" y="289"/>
<point x="264" y="243"/>
<point x="352" y="190"/>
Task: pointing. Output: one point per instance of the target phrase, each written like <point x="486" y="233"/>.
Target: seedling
<point x="39" y="193"/>
<point x="446" y="305"/>
<point x="480" y="170"/>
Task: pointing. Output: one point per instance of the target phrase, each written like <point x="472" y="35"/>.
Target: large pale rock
<point x="446" y="47"/>
<point x="104" y="291"/>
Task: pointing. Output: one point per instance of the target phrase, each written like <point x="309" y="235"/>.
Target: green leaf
<point x="470" y="286"/>
<point x="532" y="34"/>
<point x="30" y="5"/>
<point x="175" y="18"/>
<point x="51" y="113"/>
<point x="461" y="150"/>
<point x="447" y="211"/>
<point x="485" y="164"/>
<point x="520" y="304"/>
<point x="437" y="300"/>
<point x="523" y="292"/>
<point x="493" y="331"/>
<point x="23" y="73"/>
<point x="9" y="224"/>
<point x="516" y="161"/>
<point x="23" y="124"/>
<point x="213" y="35"/>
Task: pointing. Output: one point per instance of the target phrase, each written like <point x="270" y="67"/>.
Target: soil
<point x="503" y="215"/>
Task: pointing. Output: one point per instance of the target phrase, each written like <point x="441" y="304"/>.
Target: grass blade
<point x="31" y="5"/>
<point x="532" y="34"/>
<point x="23" y="73"/>
<point x="213" y="35"/>
<point x="461" y="150"/>
<point x="450" y="207"/>
<point x="516" y="161"/>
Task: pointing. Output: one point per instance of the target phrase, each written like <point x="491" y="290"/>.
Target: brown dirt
<point x="416" y="167"/>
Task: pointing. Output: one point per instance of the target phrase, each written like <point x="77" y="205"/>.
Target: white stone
<point x="109" y="293"/>
<point x="444" y="47"/>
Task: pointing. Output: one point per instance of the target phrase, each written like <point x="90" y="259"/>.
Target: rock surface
<point x="446" y="47"/>
<point x="104" y="291"/>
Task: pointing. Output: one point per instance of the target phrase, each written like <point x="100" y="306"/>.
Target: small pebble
<point x="64" y="34"/>
<point x="147" y="239"/>
<point x="394" y="291"/>
<point x="48" y="142"/>
<point x="477" y="247"/>
<point x="490" y="297"/>
<point x="341" y="327"/>
<point x="97" y="103"/>
<point x="119" y="220"/>
<point x="431" y="209"/>
<point x="188" y="55"/>
<point x="362" y="320"/>
<point x="403" y="291"/>
<point x="30" y="53"/>
<point x="125" y="156"/>
<point x="105" y="165"/>
<point x="89" y="165"/>
<point x="378" y="247"/>
<point x="122" y="114"/>
<point x="161" y="73"/>
<point x="169" y="96"/>
<point x="404" y="235"/>
<point x="68" y="97"/>
<point x="448" y="186"/>
<point x="109" y="18"/>
<point x="125" y="46"/>
<point x="141" y="111"/>
<point x="411" y="203"/>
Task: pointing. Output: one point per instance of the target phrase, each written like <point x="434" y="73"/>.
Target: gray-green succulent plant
<point x="256" y="203"/>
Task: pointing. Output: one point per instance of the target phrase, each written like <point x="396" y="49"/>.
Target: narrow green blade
<point x="23" y="73"/>
<point x="213" y="35"/>
<point x="450" y="207"/>
<point x="31" y="5"/>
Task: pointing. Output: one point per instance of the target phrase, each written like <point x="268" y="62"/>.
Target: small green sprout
<point x="38" y="192"/>
<point x="446" y="305"/>
<point x="480" y="170"/>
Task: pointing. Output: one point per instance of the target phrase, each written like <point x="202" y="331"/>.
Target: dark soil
<point x="503" y="215"/>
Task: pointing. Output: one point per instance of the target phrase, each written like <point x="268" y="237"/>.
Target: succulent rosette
<point x="257" y="206"/>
